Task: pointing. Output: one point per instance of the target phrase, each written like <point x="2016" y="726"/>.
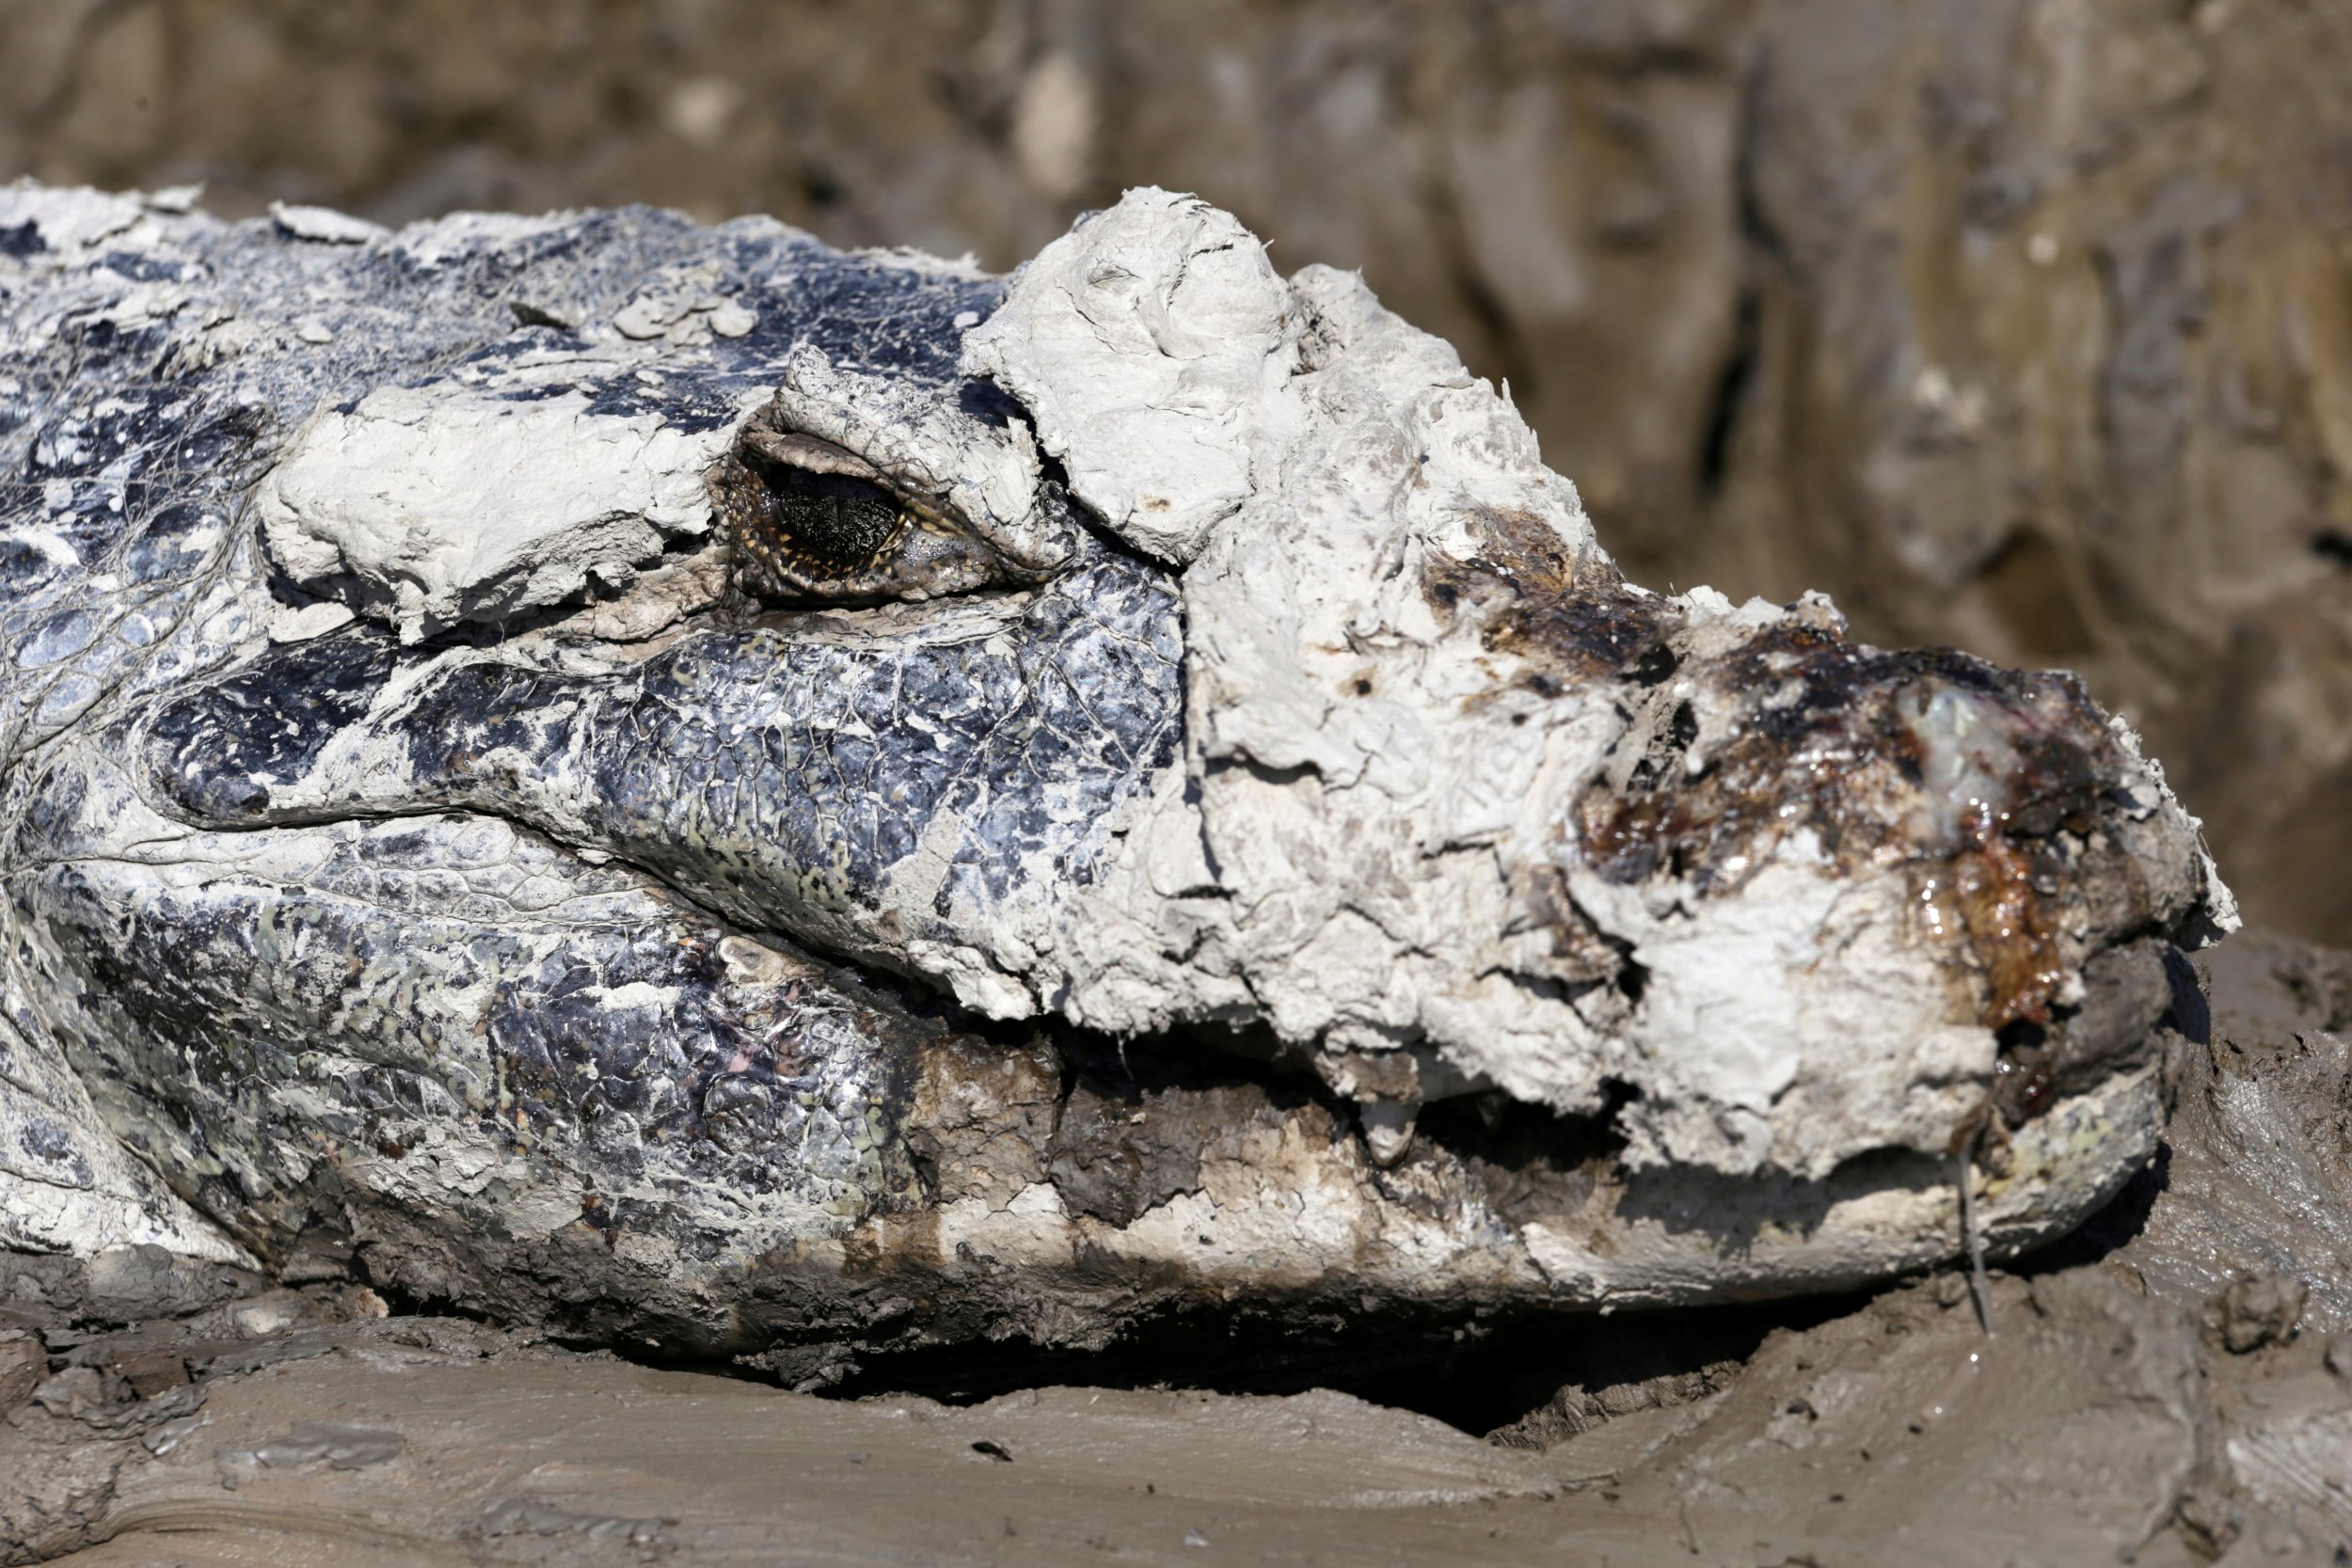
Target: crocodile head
<point x="710" y="787"/>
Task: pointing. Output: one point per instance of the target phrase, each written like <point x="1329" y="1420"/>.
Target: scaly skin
<point x="579" y="935"/>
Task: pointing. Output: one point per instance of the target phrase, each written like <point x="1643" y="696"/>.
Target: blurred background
<point x="2024" y="325"/>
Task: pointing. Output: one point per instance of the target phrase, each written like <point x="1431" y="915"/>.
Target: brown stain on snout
<point x="1836" y="749"/>
<point x="2012" y="924"/>
<point x="1568" y="620"/>
<point x="1839" y="753"/>
<point x="1564" y="621"/>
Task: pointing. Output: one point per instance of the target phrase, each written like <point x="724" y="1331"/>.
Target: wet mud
<point x="2173" y="1384"/>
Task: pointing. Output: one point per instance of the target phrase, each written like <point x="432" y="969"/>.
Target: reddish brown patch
<point x="1831" y="754"/>
<point x="1569" y="619"/>
<point x="1834" y="750"/>
<point x="2011" y="926"/>
<point x="861" y="1250"/>
<point x="1827" y="744"/>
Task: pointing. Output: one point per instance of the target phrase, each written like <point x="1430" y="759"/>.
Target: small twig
<point x="1979" y="1286"/>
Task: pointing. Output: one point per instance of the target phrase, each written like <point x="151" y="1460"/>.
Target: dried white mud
<point x="424" y="839"/>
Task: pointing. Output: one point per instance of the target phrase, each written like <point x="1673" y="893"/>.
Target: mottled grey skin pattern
<point x="758" y="773"/>
<point x="555" y="953"/>
<point x="734" y="759"/>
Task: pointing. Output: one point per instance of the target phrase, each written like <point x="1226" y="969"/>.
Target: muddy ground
<point x="2015" y="324"/>
<point x="2171" y="1386"/>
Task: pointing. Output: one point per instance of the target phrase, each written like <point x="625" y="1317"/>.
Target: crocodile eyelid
<point x="808" y="519"/>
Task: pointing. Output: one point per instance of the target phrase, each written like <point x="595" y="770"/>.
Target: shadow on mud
<point x="1480" y="1374"/>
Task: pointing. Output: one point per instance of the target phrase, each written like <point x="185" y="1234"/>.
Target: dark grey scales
<point x="185" y="1011"/>
<point x="697" y="950"/>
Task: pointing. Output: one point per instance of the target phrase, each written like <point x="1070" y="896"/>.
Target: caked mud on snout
<point x="778" y="795"/>
<point x="2022" y="827"/>
<point x="638" y="1124"/>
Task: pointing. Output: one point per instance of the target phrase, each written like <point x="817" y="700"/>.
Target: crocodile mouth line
<point x="945" y="809"/>
<point x="972" y="1114"/>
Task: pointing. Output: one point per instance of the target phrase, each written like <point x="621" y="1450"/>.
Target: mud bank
<point x="2171" y="1386"/>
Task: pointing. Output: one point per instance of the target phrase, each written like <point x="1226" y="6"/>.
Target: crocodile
<point x="707" y="790"/>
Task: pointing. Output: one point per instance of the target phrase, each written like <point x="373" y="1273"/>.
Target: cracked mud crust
<point x="1233" y="840"/>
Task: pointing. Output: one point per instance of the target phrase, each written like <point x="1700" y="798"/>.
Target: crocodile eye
<point x="820" y="525"/>
<point x="809" y="520"/>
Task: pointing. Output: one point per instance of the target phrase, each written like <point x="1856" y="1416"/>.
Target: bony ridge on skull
<point x="1347" y="885"/>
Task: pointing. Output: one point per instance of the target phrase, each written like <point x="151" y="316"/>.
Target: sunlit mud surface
<point x="2174" y="1382"/>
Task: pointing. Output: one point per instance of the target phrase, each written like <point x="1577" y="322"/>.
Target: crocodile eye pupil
<point x="808" y="519"/>
<point x="841" y="522"/>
